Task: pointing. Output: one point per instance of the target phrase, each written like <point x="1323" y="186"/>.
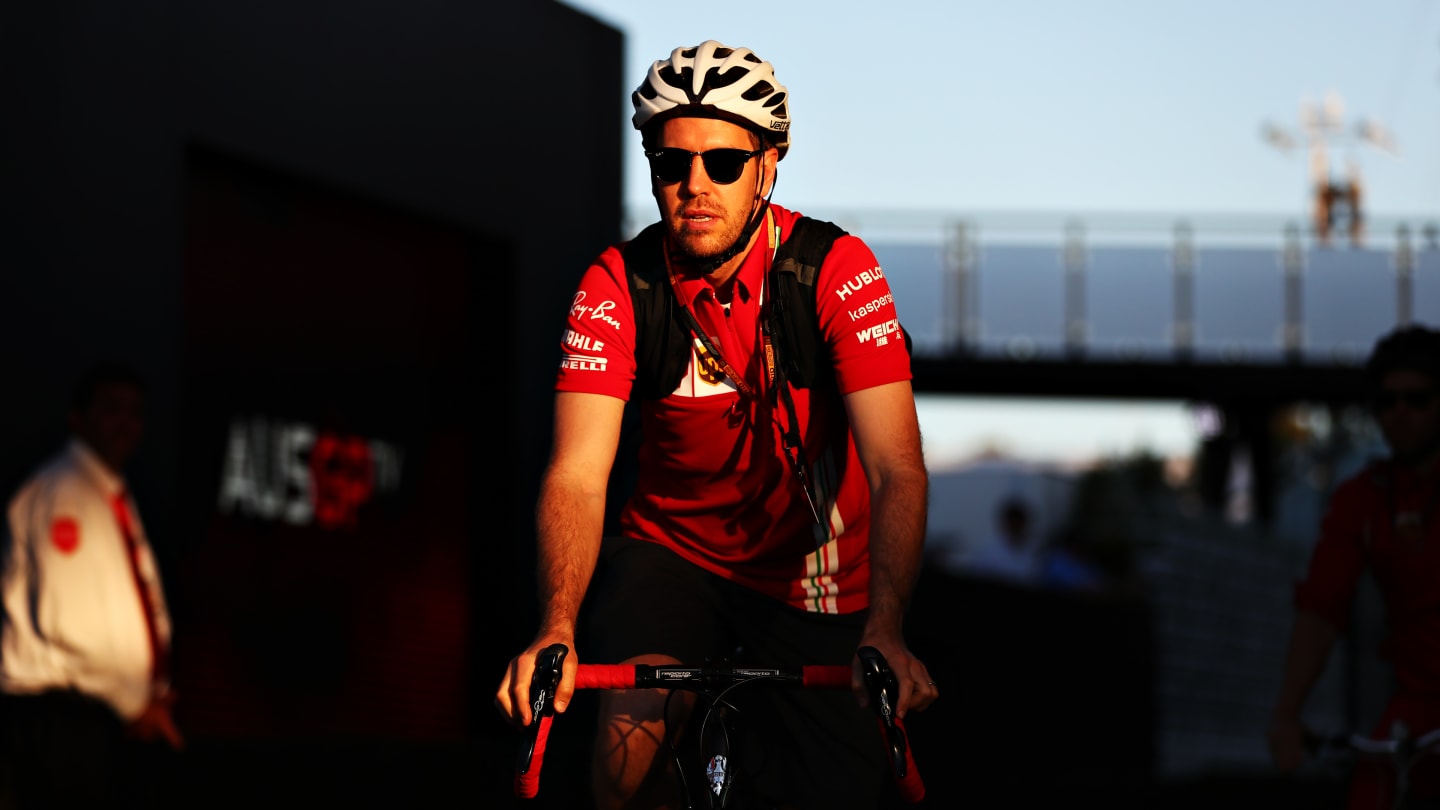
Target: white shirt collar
<point x="110" y="482"/>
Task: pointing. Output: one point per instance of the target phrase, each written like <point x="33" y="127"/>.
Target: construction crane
<point x="1337" y="199"/>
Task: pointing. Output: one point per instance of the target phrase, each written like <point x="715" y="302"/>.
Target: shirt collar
<point x="750" y="278"/>
<point x="85" y="457"/>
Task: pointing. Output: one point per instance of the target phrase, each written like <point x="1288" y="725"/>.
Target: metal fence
<point x="1236" y="289"/>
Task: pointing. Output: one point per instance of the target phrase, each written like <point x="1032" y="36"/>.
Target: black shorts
<point x="803" y="747"/>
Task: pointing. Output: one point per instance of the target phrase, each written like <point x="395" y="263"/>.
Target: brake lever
<point x="549" y="665"/>
<point x="884" y="690"/>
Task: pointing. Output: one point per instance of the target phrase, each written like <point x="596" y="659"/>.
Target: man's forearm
<point x="568" y="545"/>
<point x="897" y="540"/>
<point x="1311" y="640"/>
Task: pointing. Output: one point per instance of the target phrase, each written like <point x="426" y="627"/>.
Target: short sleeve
<point x="1338" y="559"/>
<point x="597" y="349"/>
<point x="859" y="318"/>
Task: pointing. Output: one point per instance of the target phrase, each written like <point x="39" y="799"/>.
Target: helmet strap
<point x="710" y="264"/>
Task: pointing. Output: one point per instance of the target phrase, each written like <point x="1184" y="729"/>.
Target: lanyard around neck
<point x="711" y="350"/>
<point x="790" y="438"/>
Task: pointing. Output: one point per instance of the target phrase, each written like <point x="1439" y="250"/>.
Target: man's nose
<point x="697" y="180"/>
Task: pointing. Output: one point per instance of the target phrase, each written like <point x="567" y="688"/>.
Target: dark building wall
<point x="89" y="216"/>
<point x="501" y="118"/>
<point x="502" y="121"/>
<point x="494" y="121"/>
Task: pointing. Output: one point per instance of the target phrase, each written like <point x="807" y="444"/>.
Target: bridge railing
<point x="1240" y="289"/>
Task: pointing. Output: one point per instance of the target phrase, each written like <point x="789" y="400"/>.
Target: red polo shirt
<point x="713" y="482"/>
<point x="1384" y="519"/>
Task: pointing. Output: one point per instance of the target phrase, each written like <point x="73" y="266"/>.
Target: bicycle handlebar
<point x="549" y="664"/>
<point x="1401" y="751"/>
<point x="880" y="683"/>
<point x="1400" y="744"/>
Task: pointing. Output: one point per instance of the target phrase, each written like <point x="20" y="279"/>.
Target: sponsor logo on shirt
<point x="584" y="343"/>
<point x="703" y="376"/>
<point x="707" y="366"/>
<point x="65" y="534"/>
<point x="581" y="311"/>
<point x="292" y="473"/>
<point x="862" y="280"/>
<point x="874" y="306"/>
<point x="879" y="333"/>
<point x="580" y="362"/>
<point x="583" y="362"/>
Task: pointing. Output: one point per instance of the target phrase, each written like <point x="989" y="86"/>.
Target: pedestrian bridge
<point x="1148" y="306"/>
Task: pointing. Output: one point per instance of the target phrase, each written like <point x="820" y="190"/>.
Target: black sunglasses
<point x="1414" y="398"/>
<point x="723" y="165"/>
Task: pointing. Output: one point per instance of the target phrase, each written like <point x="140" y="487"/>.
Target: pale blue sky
<point x="1154" y="108"/>
<point x="1046" y="105"/>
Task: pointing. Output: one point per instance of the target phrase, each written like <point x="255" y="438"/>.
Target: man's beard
<point x="697" y="248"/>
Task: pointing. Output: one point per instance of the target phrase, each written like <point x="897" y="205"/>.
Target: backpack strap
<point x="796" y="324"/>
<point x="662" y="340"/>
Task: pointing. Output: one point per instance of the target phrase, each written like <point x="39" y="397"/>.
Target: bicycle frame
<point x="714" y="682"/>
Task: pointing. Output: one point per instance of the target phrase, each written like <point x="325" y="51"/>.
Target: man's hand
<point x="917" y="688"/>
<point x="512" y="699"/>
<point x="157" y="723"/>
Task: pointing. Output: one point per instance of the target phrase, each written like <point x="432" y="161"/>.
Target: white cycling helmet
<point x="716" y="80"/>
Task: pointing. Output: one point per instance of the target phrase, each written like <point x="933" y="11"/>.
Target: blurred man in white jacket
<point x="85" y="641"/>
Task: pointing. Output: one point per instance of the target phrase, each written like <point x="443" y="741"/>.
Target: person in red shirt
<point x="1382" y="520"/>
<point x="729" y="540"/>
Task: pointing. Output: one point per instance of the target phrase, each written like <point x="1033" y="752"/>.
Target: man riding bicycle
<point x="1382" y="520"/>
<point x="779" y="503"/>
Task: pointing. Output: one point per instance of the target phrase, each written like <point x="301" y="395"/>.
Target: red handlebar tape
<point x="827" y="677"/>
<point x="528" y="784"/>
<point x="605" y="676"/>
<point x="911" y="787"/>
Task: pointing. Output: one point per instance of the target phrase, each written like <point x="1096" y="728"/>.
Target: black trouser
<point x="62" y="749"/>
<point x="807" y="748"/>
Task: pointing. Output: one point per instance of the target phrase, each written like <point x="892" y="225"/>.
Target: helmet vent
<point x="679" y="80"/>
<point x="757" y="91"/>
<point x="778" y="100"/>
<point x="715" y="79"/>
